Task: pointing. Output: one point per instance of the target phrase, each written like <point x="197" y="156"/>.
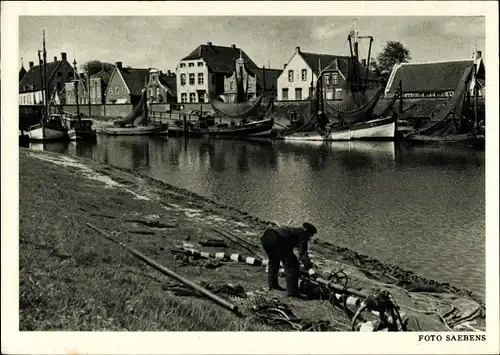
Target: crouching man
<point x="278" y="243"/>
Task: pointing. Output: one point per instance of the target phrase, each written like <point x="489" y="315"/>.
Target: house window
<point x="304" y="74"/>
<point x="183" y="97"/>
<point x="284" y="94"/>
<point x="183" y="79"/>
<point x="290" y="75"/>
<point x="201" y="96"/>
<point x="117" y="91"/>
<point x="191" y="65"/>
<point x="98" y="90"/>
<point x="201" y="80"/>
<point x="298" y="94"/>
<point x="183" y="65"/>
<point x="93" y="91"/>
<point x="192" y="97"/>
<point x="157" y="92"/>
<point x="191" y="79"/>
<point x="335" y="79"/>
<point x="328" y="81"/>
<point x="200" y="64"/>
<point x="408" y="95"/>
<point x="124" y="90"/>
<point x="231" y="85"/>
<point x="151" y="92"/>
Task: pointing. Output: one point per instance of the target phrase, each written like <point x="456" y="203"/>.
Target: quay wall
<point x="281" y="109"/>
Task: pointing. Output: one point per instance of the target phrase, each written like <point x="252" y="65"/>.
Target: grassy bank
<point x="73" y="279"/>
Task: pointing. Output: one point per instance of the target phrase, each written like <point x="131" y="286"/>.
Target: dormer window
<point x="200" y="64"/>
<point x="183" y="65"/>
<point x="191" y="65"/>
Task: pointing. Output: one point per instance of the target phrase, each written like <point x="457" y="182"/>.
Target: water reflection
<point x="418" y="206"/>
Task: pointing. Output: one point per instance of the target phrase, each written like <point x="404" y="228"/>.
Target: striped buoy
<point x="224" y="256"/>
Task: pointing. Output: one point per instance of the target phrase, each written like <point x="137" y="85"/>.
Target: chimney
<point x="478" y="54"/>
<point x="363" y="61"/>
<point x="63" y="56"/>
<point x="118" y="65"/>
<point x="55" y="58"/>
<point x="297" y="49"/>
<point x="233" y="46"/>
<point x="32" y="64"/>
<point x="209" y="44"/>
<point x="169" y="72"/>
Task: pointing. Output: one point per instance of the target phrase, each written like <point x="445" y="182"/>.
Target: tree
<point x="95" y="66"/>
<point x="393" y="52"/>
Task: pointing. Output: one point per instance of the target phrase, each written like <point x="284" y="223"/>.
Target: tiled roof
<point x="428" y="77"/>
<point x="219" y="59"/>
<point x="271" y="77"/>
<point x="135" y="79"/>
<point x="22" y="73"/>
<point x="340" y="63"/>
<point x="170" y="81"/>
<point x="32" y="79"/>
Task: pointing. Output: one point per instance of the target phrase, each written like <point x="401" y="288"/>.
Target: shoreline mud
<point x="67" y="270"/>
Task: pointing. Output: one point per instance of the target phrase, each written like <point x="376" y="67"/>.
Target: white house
<point x="303" y="69"/>
<point x="202" y="72"/>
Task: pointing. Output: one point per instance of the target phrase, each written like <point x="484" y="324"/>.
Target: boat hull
<point x="254" y="129"/>
<point x="375" y="129"/>
<point x="466" y="138"/>
<point x="380" y="129"/>
<point x="46" y="133"/>
<point x="76" y="134"/>
<point x="133" y="131"/>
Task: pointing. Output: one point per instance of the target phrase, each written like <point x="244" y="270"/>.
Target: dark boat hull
<point x="253" y="129"/>
<point x="465" y="138"/>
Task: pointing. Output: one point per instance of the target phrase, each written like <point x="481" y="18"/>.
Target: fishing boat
<point x="353" y="118"/>
<point x="458" y="122"/>
<point x="136" y="123"/>
<point x="50" y="127"/>
<point x="247" y="117"/>
<point x="79" y="129"/>
<point x="254" y="129"/>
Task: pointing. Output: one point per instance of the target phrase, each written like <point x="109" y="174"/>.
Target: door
<point x="298" y="94"/>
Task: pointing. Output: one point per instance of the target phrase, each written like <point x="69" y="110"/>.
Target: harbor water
<point x="419" y="207"/>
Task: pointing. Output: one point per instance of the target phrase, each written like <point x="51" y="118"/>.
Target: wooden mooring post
<point x="185" y="125"/>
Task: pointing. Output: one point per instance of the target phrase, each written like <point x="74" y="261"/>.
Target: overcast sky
<point x="163" y="41"/>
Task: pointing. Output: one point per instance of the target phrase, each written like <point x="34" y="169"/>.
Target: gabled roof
<point x="169" y="81"/>
<point x="135" y="79"/>
<point x="312" y="60"/>
<point x="33" y="80"/>
<point x="219" y="59"/>
<point x="428" y="77"/>
<point x="337" y="62"/>
<point x="105" y="76"/>
<point x="22" y="73"/>
<point x="271" y="77"/>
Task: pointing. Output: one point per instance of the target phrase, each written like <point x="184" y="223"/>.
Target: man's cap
<point x="310" y="228"/>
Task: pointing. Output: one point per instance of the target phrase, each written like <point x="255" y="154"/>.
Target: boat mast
<point x="90" y="104"/>
<point x="476" y="94"/>
<point x="77" y="84"/>
<point x="41" y="83"/>
<point x="46" y="88"/>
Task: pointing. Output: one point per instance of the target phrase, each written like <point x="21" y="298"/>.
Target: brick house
<point x="433" y="79"/>
<point x="253" y="81"/>
<point x="31" y="86"/>
<point x="98" y="86"/>
<point x="162" y="87"/>
<point x="202" y="73"/>
<point x="303" y="68"/>
<point x="125" y="85"/>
